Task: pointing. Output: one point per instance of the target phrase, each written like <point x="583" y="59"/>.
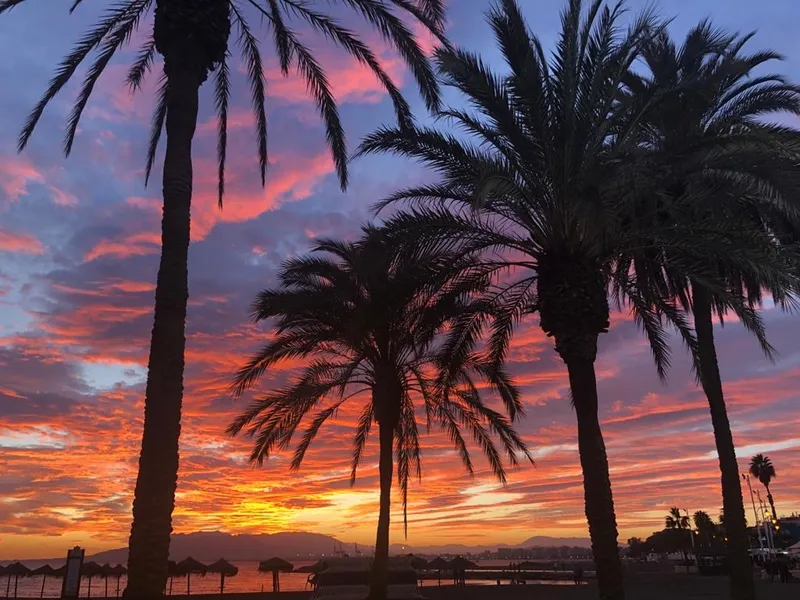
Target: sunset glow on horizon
<point x="79" y="247"/>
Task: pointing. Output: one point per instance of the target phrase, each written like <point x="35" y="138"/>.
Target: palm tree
<point x="680" y="522"/>
<point x="761" y="468"/>
<point x="368" y="321"/>
<point x="552" y="189"/>
<point x="707" y="530"/>
<point x="193" y="36"/>
<point x="709" y="125"/>
<point x="676" y="520"/>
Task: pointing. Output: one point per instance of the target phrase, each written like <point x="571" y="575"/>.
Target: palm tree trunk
<point x="380" y="565"/>
<point x="771" y="502"/>
<point x="154" y="497"/>
<point x="596" y="481"/>
<point x="739" y="566"/>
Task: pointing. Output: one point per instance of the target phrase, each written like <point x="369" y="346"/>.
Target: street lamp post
<point x="691" y="533"/>
<point x="755" y="514"/>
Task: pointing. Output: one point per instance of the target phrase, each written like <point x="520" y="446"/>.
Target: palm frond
<point x="141" y="66"/>
<point x="355" y="47"/>
<point x="222" y="92"/>
<point x="157" y="125"/>
<point x="255" y="75"/>
<point x="397" y="33"/>
<point x="116" y="39"/>
<point x="360" y="439"/>
<point x="111" y="21"/>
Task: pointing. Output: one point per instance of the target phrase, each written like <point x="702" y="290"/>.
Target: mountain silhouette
<point x="208" y="546"/>
<point x="532" y="542"/>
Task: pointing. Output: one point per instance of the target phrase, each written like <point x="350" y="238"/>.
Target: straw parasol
<point x="172" y="572"/>
<point x="458" y="566"/>
<point x="460" y="563"/>
<point x="47" y="571"/>
<point x="418" y="563"/>
<point x="225" y="569"/>
<point x="188" y="566"/>
<point x="117" y="572"/>
<point x="4" y="571"/>
<point x="275" y="566"/>
<point x="91" y="569"/>
<point x="105" y="571"/>
<point x="437" y="564"/>
<point x="15" y="570"/>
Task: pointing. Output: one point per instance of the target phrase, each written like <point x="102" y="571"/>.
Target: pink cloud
<point x="350" y="81"/>
<point x="290" y="178"/>
<point x="22" y="243"/>
<point x="15" y="174"/>
<point x="131" y="245"/>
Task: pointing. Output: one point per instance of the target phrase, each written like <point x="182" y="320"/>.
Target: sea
<point x="248" y="580"/>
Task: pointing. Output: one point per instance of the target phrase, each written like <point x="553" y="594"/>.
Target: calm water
<point x="248" y="580"/>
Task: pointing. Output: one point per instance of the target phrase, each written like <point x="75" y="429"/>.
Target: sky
<point x="79" y="246"/>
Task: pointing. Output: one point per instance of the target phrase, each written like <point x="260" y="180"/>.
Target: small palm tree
<point x="676" y="520"/>
<point x="552" y="188"/>
<point x="761" y="468"/>
<point x="680" y="522"/>
<point x="368" y="321"/>
<point x="709" y="124"/>
<point x="193" y="36"/>
<point x="707" y="530"/>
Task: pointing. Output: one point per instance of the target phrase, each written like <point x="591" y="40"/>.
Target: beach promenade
<point x="649" y="586"/>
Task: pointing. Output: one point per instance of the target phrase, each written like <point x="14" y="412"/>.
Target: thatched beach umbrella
<point x="458" y="566"/>
<point x="90" y="570"/>
<point x="225" y="569"/>
<point x="15" y="570"/>
<point x="437" y="564"/>
<point x="275" y="566"/>
<point x="117" y="572"/>
<point x="172" y="572"/>
<point x="188" y="566"/>
<point x="105" y="571"/>
<point x="3" y="572"/>
<point x="47" y="571"/>
<point x="418" y="563"/>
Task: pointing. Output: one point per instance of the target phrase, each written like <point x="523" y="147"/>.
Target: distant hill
<point x="541" y="541"/>
<point x="208" y="546"/>
<point x="533" y="542"/>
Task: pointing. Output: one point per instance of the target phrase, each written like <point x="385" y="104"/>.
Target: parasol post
<point x="188" y="584"/>
<point x="44" y="579"/>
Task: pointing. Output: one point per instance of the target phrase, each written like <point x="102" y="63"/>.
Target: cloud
<point x="15" y="175"/>
<point x="76" y="316"/>
<point x="23" y="243"/>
